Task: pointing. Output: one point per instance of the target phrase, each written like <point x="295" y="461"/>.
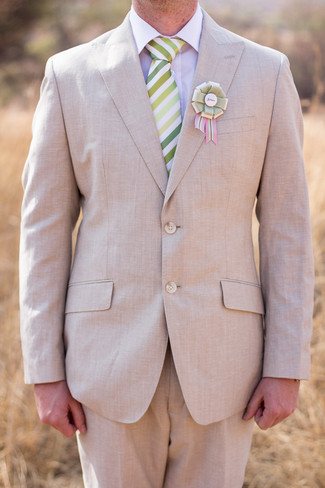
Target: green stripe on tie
<point x="169" y="122"/>
<point x="165" y="54"/>
<point x="164" y="95"/>
<point x="161" y="113"/>
<point x="159" y="83"/>
<point x="171" y="136"/>
<point x="170" y="156"/>
<point x="155" y="71"/>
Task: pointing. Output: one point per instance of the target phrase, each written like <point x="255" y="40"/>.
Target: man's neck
<point x="167" y="16"/>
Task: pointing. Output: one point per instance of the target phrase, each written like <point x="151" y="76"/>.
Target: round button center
<point x="211" y="100"/>
<point x="170" y="228"/>
<point x="171" y="287"/>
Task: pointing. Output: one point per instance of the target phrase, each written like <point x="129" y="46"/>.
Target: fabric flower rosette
<point x="209" y="102"/>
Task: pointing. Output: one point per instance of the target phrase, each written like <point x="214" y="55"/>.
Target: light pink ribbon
<point x="207" y="126"/>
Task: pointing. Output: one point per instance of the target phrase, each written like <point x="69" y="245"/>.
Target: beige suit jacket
<point x="103" y="324"/>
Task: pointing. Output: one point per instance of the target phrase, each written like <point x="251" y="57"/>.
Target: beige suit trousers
<point x="166" y="448"/>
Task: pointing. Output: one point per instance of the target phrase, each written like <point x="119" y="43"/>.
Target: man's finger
<point x="66" y="427"/>
<point x="259" y="413"/>
<point x="254" y="405"/>
<point x="78" y="416"/>
<point x="266" y="419"/>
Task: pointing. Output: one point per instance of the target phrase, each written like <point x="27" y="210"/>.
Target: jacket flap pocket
<point x="241" y="295"/>
<point x="89" y="296"/>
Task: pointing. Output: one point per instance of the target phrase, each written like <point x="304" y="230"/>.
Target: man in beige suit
<point x="160" y="343"/>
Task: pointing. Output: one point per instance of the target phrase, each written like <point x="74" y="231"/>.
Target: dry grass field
<point x="291" y="455"/>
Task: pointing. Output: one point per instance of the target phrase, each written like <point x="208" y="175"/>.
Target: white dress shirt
<point x="184" y="64"/>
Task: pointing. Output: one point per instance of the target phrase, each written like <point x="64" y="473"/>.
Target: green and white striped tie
<point x="163" y="94"/>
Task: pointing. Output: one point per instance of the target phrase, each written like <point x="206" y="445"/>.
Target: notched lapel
<point x="218" y="61"/>
<point x="119" y="64"/>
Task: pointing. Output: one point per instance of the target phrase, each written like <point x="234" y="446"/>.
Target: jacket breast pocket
<point x="242" y="295"/>
<point x="237" y="124"/>
<point x="89" y="296"/>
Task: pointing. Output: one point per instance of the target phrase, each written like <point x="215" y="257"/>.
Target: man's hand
<point x="56" y="407"/>
<point x="273" y="400"/>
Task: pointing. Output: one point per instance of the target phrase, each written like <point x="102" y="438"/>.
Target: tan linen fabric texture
<point x="166" y="447"/>
<point x="104" y="324"/>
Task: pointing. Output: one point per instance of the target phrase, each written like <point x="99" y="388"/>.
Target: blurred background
<point x="291" y="455"/>
<point x="32" y="30"/>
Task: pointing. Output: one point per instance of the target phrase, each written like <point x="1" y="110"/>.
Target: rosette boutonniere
<point x="209" y="102"/>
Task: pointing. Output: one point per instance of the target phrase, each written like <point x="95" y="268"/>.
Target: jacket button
<point x="170" y="228"/>
<point x="171" y="287"/>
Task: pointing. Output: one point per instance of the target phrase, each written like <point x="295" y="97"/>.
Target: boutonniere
<point x="209" y="102"/>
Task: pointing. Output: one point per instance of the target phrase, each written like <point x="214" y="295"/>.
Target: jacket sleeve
<point x="286" y="261"/>
<point x="50" y="210"/>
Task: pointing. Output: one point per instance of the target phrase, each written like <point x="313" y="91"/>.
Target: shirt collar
<point x="144" y="32"/>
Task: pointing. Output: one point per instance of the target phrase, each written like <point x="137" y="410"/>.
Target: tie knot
<point x="164" y="48"/>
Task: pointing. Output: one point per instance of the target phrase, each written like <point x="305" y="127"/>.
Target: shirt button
<point x="170" y="228"/>
<point x="171" y="287"/>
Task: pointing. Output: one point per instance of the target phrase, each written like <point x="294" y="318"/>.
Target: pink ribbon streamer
<point x="206" y="129"/>
<point x="207" y="126"/>
<point x="214" y="131"/>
